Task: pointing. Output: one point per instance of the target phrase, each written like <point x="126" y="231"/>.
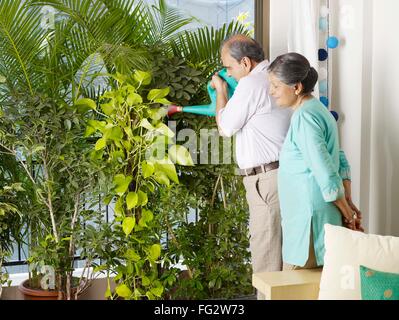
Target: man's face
<point x="235" y="69"/>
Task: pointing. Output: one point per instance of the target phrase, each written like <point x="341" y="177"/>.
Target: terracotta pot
<point x="39" y="294"/>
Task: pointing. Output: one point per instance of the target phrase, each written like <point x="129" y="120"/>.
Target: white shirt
<point x="259" y="124"/>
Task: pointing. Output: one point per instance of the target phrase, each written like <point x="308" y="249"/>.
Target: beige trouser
<point x="264" y="222"/>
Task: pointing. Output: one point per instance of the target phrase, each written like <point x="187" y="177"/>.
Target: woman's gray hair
<point x="293" y="68"/>
<point x="241" y="46"/>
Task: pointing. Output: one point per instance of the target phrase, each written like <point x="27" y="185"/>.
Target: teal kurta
<point x="312" y="168"/>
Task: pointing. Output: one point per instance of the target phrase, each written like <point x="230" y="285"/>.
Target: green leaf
<point x="134" y="99"/>
<point x="108" y="293"/>
<point x="158" y="113"/>
<point x="117" y="156"/>
<point x="108" y="199"/>
<point x="132" y="200"/>
<point x="68" y="124"/>
<point x="123" y="291"/>
<point x="149" y="295"/>
<point x="163" y="101"/>
<point x="37" y="149"/>
<point x="100" y="268"/>
<point x="155" y="94"/>
<point x="132" y="255"/>
<point x="162" y="178"/>
<point x="145" y="281"/>
<point x="150" y="186"/>
<point x="127" y="145"/>
<point x="119" y="207"/>
<point x="3" y="79"/>
<point x="146" y="216"/>
<point x="146" y="124"/>
<point x="89" y="131"/>
<point x="121" y="183"/>
<point x="148" y="169"/>
<point x="128" y="225"/>
<point x="98" y="125"/>
<point x="155" y="252"/>
<point x="171" y="280"/>
<point x="167" y="167"/>
<point x="128" y="131"/>
<point x="108" y="108"/>
<point x="120" y="77"/>
<point x="96" y="155"/>
<point x="211" y="283"/>
<point x="100" y="144"/>
<point x="85" y="104"/>
<point x="165" y="130"/>
<point x="143" y="77"/>
<point x="180" y="155"/>
<point x="157" y="291"/>
<point x="116" y="134"/>
<point x="118" y="276"/>
<point x="143" y="198"/>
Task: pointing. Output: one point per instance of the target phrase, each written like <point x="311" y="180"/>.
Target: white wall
<point x="279" y="22"/>
<point x="365" y="71"/>
<point x="350" y="74"/>
<point x="365" y="81"/>
<point x="384" y="191"/>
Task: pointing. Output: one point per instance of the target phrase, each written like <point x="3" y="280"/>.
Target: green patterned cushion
<point x="378" y="285"/>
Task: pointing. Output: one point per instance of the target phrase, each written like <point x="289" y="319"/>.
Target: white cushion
<point x="346" y="250"/>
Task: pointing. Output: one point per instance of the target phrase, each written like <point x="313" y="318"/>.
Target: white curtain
<point x="303" y="31"/>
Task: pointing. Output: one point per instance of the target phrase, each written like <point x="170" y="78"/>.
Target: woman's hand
<point x="348" y="197"/>
<point x="349" y="216"/>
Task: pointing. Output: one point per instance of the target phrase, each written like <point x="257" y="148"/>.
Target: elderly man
<point x="260" y="128"/>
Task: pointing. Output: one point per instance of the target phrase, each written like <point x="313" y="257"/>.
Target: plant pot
<point x="39" y="294"/>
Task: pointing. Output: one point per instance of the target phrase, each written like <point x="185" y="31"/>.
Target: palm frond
<point x="166" y="23"/>
<point x="202" y="46"/>
<point x="134" y="16"/>
<point x="115" y="28"/>
<point x="21" y="39"/>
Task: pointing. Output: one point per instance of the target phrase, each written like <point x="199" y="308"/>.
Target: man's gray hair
<point x="241" y="46"/>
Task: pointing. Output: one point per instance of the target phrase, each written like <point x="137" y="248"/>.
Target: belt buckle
<point x="250" y="172"/>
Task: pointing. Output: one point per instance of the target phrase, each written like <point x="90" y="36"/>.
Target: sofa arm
<point x="288" y="285"/>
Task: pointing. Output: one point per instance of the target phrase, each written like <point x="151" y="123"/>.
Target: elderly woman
<point x="312" y="167"/>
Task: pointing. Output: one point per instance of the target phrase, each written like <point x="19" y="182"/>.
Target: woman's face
<point x="283" y="94"/>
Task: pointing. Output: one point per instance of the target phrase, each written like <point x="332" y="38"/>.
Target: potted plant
<point x="13" y="201"/>
<point x="46" y="137"/>
<point x="45" y="75"/>
<point x="10" y="226"/>
<point x="42" y="127"/>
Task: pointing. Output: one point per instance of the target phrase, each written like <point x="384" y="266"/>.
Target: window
<point x="214" y="13"/>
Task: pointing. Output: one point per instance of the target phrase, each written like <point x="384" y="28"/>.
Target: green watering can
<point x="208" y="109"/>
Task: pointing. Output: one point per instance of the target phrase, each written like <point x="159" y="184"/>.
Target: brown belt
<point x="261" y="169"/>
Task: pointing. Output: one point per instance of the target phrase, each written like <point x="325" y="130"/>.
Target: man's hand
<point x="221" y="97"/>
<point x="218" y="83"/>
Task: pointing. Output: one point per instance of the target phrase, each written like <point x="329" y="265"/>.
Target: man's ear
<point x="247" y="63"/>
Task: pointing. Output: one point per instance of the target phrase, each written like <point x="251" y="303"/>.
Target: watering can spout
<point x="172" y="109"/>
<point x="208" y="109"/>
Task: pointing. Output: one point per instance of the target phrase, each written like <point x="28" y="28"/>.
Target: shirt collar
<point x="261" y="67"/>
